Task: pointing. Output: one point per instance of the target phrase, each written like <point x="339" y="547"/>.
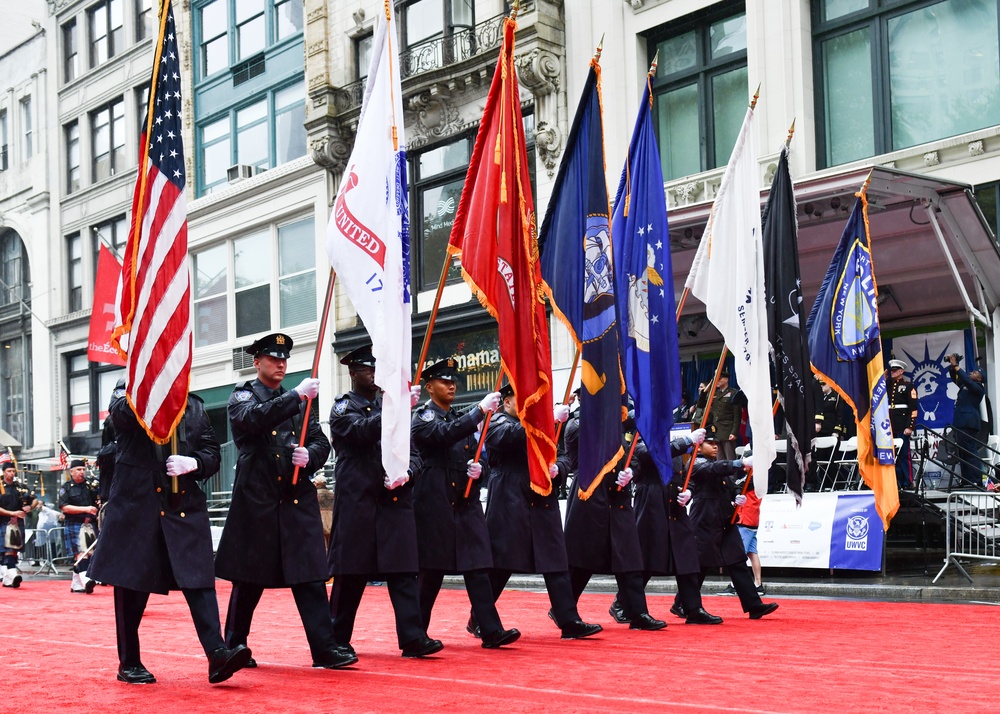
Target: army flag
<point x="575" y="245"/>
<point x="494" y="234"/>
<point x="644" y="290"/>
<point x="368" y="240"/>
<point x="786" y="325"/>
<point x="728" y="276"/>
<point x="846" y="349"/>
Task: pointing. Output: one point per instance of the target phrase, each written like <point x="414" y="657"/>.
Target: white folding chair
<point x="846" y="464"/>
<point x="823" y="445"/>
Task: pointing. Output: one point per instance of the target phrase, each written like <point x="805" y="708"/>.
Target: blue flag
<point x="644" y="289"/>
<point x="845" y="345"/>
<point x="575" y="245"/>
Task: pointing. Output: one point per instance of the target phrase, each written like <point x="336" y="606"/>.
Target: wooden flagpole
<point x="482" y="434"/>
<point x="708" y="409"/>
<point x="432" y="318"/>
<point x="569" y="391"/>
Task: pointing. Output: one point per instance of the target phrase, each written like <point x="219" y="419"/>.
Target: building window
<point x="251" y="281"/>
<point x="210" y="284"/>
<point x="107" y="31"/>
<point x="14" y="373"/>
<point x="896" y="74"/>
<point x="700" y="92"/>
<point x="251" y="28"/>
<point x="114" y="234"/>
<point x="90" y="387"/>
<point x="74" y="271"/>
<point x="3" y="139"/>
<point x="71" y="52"/>
<point x="362" y="56"/>
<point x="268" y="132"/>
<point x="144" y="19"/>
<point x="287" y="18"/>
<point x="296" y="273"/>
<point x="27" y="144"/>
<point x="107" y="126"/>
<point x="13" y="270"/>
<point x="141" y="104"/>
<point x="253" y="25"/>
<point x="72" y="132"/>
<point x="426" y="20"/>
<point x="214" y="44"/>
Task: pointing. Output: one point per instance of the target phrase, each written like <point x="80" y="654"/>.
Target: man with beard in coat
<point x="451" y="528"/>
<point x="526" y="531"/>
<point x="601" y="536"/>
<point x="719" y="542"/>
<point x="374" y="533"/>
<point x="156" y="538"/>
<point x="666" y="534"/>
<point x="273" y="536"/>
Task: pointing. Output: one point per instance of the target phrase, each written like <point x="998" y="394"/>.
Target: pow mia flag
<point x="786" y="324"/>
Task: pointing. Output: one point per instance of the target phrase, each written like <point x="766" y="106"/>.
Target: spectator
<point x="78" y="502"/>
<point x="967" y="418"/>
<point x="748" y="519"/>
<point x="16" y="501"/>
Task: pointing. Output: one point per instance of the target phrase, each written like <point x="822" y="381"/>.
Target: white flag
<point x="368" y="241"/>
<point x="728" y="276"/>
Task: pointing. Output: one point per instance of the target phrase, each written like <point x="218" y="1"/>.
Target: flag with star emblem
<point x="575" y="245"/>
<point x="727" y="274"/>
<point x="153" y="321"/>
<point x="644" y="290"/>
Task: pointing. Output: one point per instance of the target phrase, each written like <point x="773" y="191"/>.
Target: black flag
<point x="786" y="324"/>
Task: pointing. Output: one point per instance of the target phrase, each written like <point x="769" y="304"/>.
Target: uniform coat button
<point x="182" y="514"/>
<point x="162" y="513"/>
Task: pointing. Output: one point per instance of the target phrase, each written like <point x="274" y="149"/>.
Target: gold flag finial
<point x="514" y="9"/>
<point x="600" y="48"/>
<point x="791" y="131"/>
<point x="756" y="96"/>
<point x="652" y="66"/>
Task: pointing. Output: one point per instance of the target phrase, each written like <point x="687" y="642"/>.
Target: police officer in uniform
<point x="903" y="418"/>
<point x="78" y="502"/>
<point x="16" y="501"/>
<point x="526" y="531"/>
<point x="273" y="536"/>
<point x="601" y="535"/>
<point x="374" y="532"/>
<point x="155" y="540"/>
<point x="451" y="528"/>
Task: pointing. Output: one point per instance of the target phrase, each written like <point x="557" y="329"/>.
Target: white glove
<point x="474" y="469"/>
<point x="300" y="456"/>
<point x="414" y="395"/>
<point x="624" y="477"/>
<point x="178" y="465"/>
<point x="553" y="471"/>
<point x="683" y="497"/>
<point x="747" y="462"/>
<point x="560" y="413"/>
<point x="740" y="499"/>
<point x="308" y="388"/>
<point x="490" y="402"/>
<point x="697" y="436"/>
<point x="395" y="483"/>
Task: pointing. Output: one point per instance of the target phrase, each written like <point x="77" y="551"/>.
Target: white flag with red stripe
<point x="153" y="320"/>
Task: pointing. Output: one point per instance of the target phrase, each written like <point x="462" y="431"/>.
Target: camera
<point x="956" y="355"/>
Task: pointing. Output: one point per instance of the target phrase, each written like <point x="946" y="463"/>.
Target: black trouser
<point x="346" y="597"/>
<point x="560" y="594"/>
<point x="310" y="599"/>
<point x="130" y="604"/>
<point x="82" y="565"/>
<point x="631" y="590"/>
<point x="688" y="590"/>
<point x="967" y="449"/>
<point x="477" y="585"/>
<point x="742" y="578"/>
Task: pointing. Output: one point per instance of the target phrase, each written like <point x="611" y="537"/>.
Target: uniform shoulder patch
<point x="427" y="415"/>
<point x="340" y="407"/>
<point x="118" y="393"/>
<point x="243" y="395"/>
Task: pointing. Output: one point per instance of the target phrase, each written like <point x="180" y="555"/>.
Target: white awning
<point x="8" y="440"/>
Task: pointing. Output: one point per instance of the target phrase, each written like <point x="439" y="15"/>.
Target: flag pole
<point x="569" y="387"/>
<point x="327" y="302"/>
<point x="746" y="487"/>
<point x="628" y="459"/>
<point x="708" y="409"/>
<point x="432" y="318"/>
<point x="482" y="434"/>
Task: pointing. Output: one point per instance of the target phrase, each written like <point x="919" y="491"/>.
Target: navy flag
<point x="786" y="324"/>
<point x="644" y="290"/>
<point x="846" y="349"/>
<point x="575" y="246"/>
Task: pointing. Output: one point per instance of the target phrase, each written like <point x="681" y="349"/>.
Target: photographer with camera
<point x="966" y="421"/>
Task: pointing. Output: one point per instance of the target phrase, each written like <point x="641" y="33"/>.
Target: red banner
<point x="102" y="318"/>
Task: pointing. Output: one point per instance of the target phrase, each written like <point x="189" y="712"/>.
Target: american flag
<point x="153" y="310"/>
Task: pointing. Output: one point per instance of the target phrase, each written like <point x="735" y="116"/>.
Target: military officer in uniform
<point x="374" y="531"/>
<point x="451" y="528"/>
<point x="78" y="502"/>
<point x="16" y="502"/>
<point x="601" y="535"/>
<point x="525" y="528"/>
<point x="903" y="418"/>
<point x="155" y="540"/>
<point x="725" y="415"/>
<point x="273" y="536"/>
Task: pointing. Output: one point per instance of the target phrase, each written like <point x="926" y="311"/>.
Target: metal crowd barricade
<point x="972" y="529"/>
<point x="38" y="549"/>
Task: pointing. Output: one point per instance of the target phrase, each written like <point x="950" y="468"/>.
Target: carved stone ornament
<point x="977" y="148"/>
<point x="332" y="149"/>
<point x="931" y="158"/>
<point x="539" y="71"/>
<point x="548" y="144"/>
<point x="687" y="192"/>
<point x="433" y="117"/>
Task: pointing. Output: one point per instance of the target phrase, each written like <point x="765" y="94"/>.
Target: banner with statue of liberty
<point x="926" y="356"/>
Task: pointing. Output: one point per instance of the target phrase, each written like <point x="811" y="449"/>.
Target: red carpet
<point x="809" y="656"/>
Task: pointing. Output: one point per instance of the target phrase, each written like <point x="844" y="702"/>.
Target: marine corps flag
<point x="494" y="234"/>
<point x="575" y="243"/>
<point x="786" y="325"/>
<point x="846" y="349"/>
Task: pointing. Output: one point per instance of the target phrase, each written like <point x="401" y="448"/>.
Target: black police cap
<point x="507" y="390"/>
<point x="446" y="369"/>
<point x="275" y="345"/>
<point x="76" y="463"/>
<point x="361" y="357"/>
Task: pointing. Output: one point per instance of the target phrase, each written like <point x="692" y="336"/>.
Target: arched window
<point x="13" y="269"/>
<point x="15" y="338"/>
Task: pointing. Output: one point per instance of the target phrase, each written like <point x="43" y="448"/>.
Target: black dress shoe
<point x="700" y="617"/>
<point x="422" y="647"/>
<point x="551" y="616"/>
<point x="578" y="628"/>
<point x="677" y="609"/>
<point x="135" y="674"/>
<point x="224" y="663"/>
<point x="645" y="621"/>
<point x="617" y="612"/>
<point x="251" y="664"/>
<point x="765" y="608"/>
<point x="472" y="627"/>
<point x="336" y="657"/>
<point x="501" y="637"/>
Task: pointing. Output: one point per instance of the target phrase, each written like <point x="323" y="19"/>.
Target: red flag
<point x="102" y="318"/>
<point x="495" y="235"/>
<point x="155" y="287"/>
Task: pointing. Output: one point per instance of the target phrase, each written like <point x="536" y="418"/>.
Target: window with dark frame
<point x="27" y="130"/>
<point x="362" y="55"/>
<point x="74" y="272"/>
<point x="144" y="19"/>
<point x="71" y="52"/>
<point x="114" y="234"/>
<point x="89" y="389"/>
<point x="107" y="31"/>
<point x="214" y="28"/>
<point x="3" y="140"/>
<point x="72" y="133"/>
<point x="107" y="127"/>
<point x="13" y="269"/>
